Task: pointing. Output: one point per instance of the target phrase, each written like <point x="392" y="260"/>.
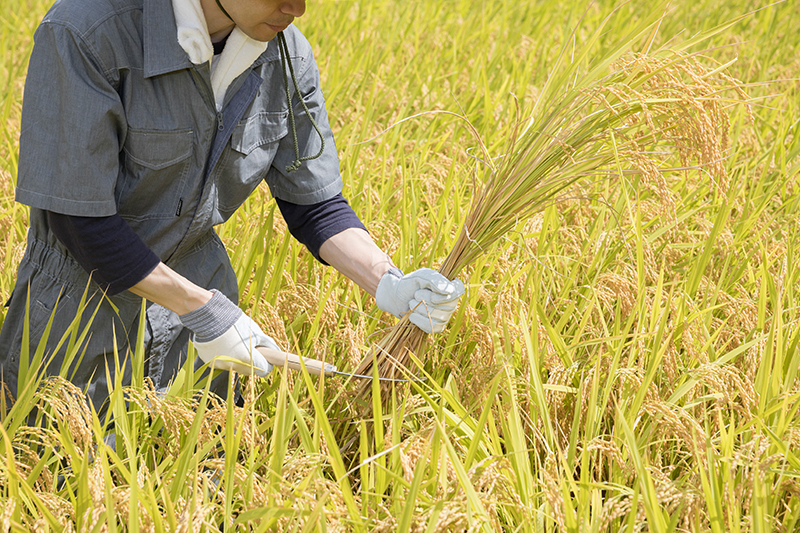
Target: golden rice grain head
<point x="65" y="404"/>
<point x="551" y="482"/>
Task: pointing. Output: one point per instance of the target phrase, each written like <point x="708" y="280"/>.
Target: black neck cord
<point x="283" y="48"/>
<point x="223" y="11"/>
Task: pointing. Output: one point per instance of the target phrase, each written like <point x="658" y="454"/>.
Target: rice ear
<point x="644" y="111"/>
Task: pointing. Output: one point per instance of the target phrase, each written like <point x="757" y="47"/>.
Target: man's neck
<point x="219" y="46"/>
<point x="221" y="35"/>
<point x="218" y="24"/>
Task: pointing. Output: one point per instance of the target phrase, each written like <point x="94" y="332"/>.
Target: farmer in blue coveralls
<point x="144" y="124"/>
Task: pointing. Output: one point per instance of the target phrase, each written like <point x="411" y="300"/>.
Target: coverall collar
<point x="162" y="52"/>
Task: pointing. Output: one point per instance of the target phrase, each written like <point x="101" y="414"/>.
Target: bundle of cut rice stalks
<point x="629" y="113"/>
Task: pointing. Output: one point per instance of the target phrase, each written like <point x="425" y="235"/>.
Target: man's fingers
<point x="432" y="307"/>
<point x="236" y="349"/>
<point x="266" y="341"/>
<point x="430" y="279"/>
<point x="260" y="369"/>
<point x="434" y="299"/>
<point x="444" y="289"/>
<point x="262" y="366"/>
<point x="425" y="323"/>
<point x="434" y="313"/>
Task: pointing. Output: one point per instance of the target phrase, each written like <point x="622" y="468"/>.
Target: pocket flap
<point x="259" y="129"/>
<point x="158" y="149"/>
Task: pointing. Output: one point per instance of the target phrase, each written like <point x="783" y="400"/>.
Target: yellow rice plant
<point x="642" y="114"/>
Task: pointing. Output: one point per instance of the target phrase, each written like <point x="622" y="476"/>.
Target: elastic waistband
<point x="51" y="261"/>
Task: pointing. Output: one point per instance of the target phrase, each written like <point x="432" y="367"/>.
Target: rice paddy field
<point x="625" y="358"/>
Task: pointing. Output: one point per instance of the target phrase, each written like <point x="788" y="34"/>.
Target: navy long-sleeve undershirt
<point x="118" y="259"/>
<point x="106" y="247"/>
<point x="314" y="224"/>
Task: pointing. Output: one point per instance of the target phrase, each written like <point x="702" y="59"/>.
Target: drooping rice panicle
<point x="628" y="362"/>
<point x="647" y="115"/>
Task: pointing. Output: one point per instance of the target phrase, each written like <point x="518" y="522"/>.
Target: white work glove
<point x="222" y="329"/>
<point x="431" y="297"/>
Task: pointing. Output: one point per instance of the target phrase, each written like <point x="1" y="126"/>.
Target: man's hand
<point x="429" y="296"/>
<point x="222" y="329"/>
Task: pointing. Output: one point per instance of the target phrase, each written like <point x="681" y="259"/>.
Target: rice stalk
<point x="646" y="112"/>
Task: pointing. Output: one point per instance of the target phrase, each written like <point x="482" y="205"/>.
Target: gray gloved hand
<point x="431" y="297"/>
<point x="222" y="329"/>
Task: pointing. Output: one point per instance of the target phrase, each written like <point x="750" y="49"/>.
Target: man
<point x="144" y="124"/>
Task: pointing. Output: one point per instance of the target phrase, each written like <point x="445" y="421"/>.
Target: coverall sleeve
<point x="292" y="186"/>
<point x="73" y="125"/>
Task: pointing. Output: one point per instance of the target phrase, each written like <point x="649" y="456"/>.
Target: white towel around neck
<point x="239" y="53"/>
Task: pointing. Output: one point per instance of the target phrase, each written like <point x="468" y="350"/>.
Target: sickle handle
<point x="292" y="361"/>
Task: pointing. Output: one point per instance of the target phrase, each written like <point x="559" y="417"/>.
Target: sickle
<point x="293" y="362"/>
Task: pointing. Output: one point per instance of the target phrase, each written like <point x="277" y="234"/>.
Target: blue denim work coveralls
<point x="116" y="119"/>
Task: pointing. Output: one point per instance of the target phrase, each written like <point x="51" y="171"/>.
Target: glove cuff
<point x="394" y="271"/>
<point x="212" y="319"/>
<point x="385" y="294"/>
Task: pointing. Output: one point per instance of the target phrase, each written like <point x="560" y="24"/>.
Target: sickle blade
<point x="362" y="376"/>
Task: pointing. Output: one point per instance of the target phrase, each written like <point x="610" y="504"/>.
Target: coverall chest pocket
<point x="259" y="131"/>
<point x="154" y="170"/>
<point x="254" y="143"/>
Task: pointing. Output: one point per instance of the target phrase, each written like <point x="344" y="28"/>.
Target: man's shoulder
<point x="84" y="16"/>
<point x="299" y="48"/>
<point x="296" y="41"/>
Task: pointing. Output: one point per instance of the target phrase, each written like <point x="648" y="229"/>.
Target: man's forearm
<point x="353" y="253"/>
<point x="169" y="289"/>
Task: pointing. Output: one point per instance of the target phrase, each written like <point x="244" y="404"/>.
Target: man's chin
<point x="262" y="33"/>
